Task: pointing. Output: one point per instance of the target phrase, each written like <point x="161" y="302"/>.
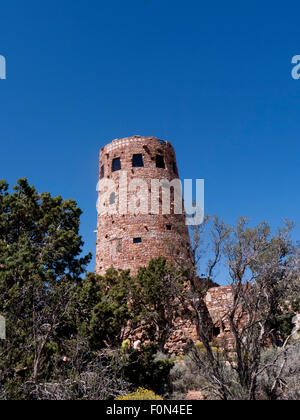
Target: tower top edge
<point x="127" y="140"/>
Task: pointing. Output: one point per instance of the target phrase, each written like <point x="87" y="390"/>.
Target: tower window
<point x="137" y="240"/>
<point x="102" y="172"/>
<point x="112" y="198"/>
<point x="175" y="170"/>
<point x="137" y="160"/>
<point x="116" y="164"/>
<point x="169" y="227"/>
<point x="216" y="331"/>
<point x="160" y="163"/>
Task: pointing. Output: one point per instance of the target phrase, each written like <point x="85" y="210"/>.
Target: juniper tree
<point x="101" y="309"/>
<point x="158" y="299"/>
<point x="40" y="261"/>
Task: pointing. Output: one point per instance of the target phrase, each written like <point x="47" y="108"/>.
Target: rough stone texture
<point x="195" y="395"/>
<point x="115" y="232"/>
<point x="184" y="332"/>
<point x="218" y="301"/>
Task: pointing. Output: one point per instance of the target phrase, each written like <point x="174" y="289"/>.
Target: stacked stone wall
<point x="127" y="240"/>
<point x="159" y="234"/>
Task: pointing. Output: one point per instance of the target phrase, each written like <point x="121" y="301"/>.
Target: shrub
<point x="200" y="347"/>
<point x="146" y="368"/>
<point x="185" y="377"/>
<point x="289" y="388"/>
<point x="125" y="345"/>
<point x="140" y="394"/>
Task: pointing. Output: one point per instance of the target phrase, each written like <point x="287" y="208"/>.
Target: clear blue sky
<point x="214" y="78"/>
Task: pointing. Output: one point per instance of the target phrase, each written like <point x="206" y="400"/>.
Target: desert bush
<point x="100" y="378"/>
<point x="140" y="394"/>
<point x="286" y="368"/>
<point x="147" y="368"/>
<point x="279" y="377"/>
<point x="185" y="377"/>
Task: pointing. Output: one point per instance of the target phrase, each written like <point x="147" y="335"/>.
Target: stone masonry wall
<point x="160" y="234"/>
<point x="218" y="301"/>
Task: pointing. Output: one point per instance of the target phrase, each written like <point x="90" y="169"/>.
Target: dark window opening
<point x="175" y="170"/>
<point x="137" y="240"/>
<point x="169" y="227"/>
<point x="216" y="331"/>
<point x="137" y="161"/>
<point x="112" y="198"/>
<point x="160" y="163"/>
<point x="116" y="164"/>
<point x="102" y="172"/>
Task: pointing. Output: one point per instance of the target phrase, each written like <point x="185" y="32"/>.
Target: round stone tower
<point x="140" y="206"/>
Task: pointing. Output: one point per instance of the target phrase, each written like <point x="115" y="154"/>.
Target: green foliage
<point x="100" y="307"/>
<point x="65" y="334"/>
<point x="158" y="293"/>
<point x="125" y="345"/>
<point x="286" y="313"/>
<point x="145" y="369"/>
<point x="39" y="263"/>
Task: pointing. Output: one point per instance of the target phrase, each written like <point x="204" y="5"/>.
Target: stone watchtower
<point x="130" y="229"/>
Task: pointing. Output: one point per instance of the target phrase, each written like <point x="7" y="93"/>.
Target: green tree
<point x="101" y="308"/>
<point x="40" y="262"/>
<point x="158" y="299"/>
